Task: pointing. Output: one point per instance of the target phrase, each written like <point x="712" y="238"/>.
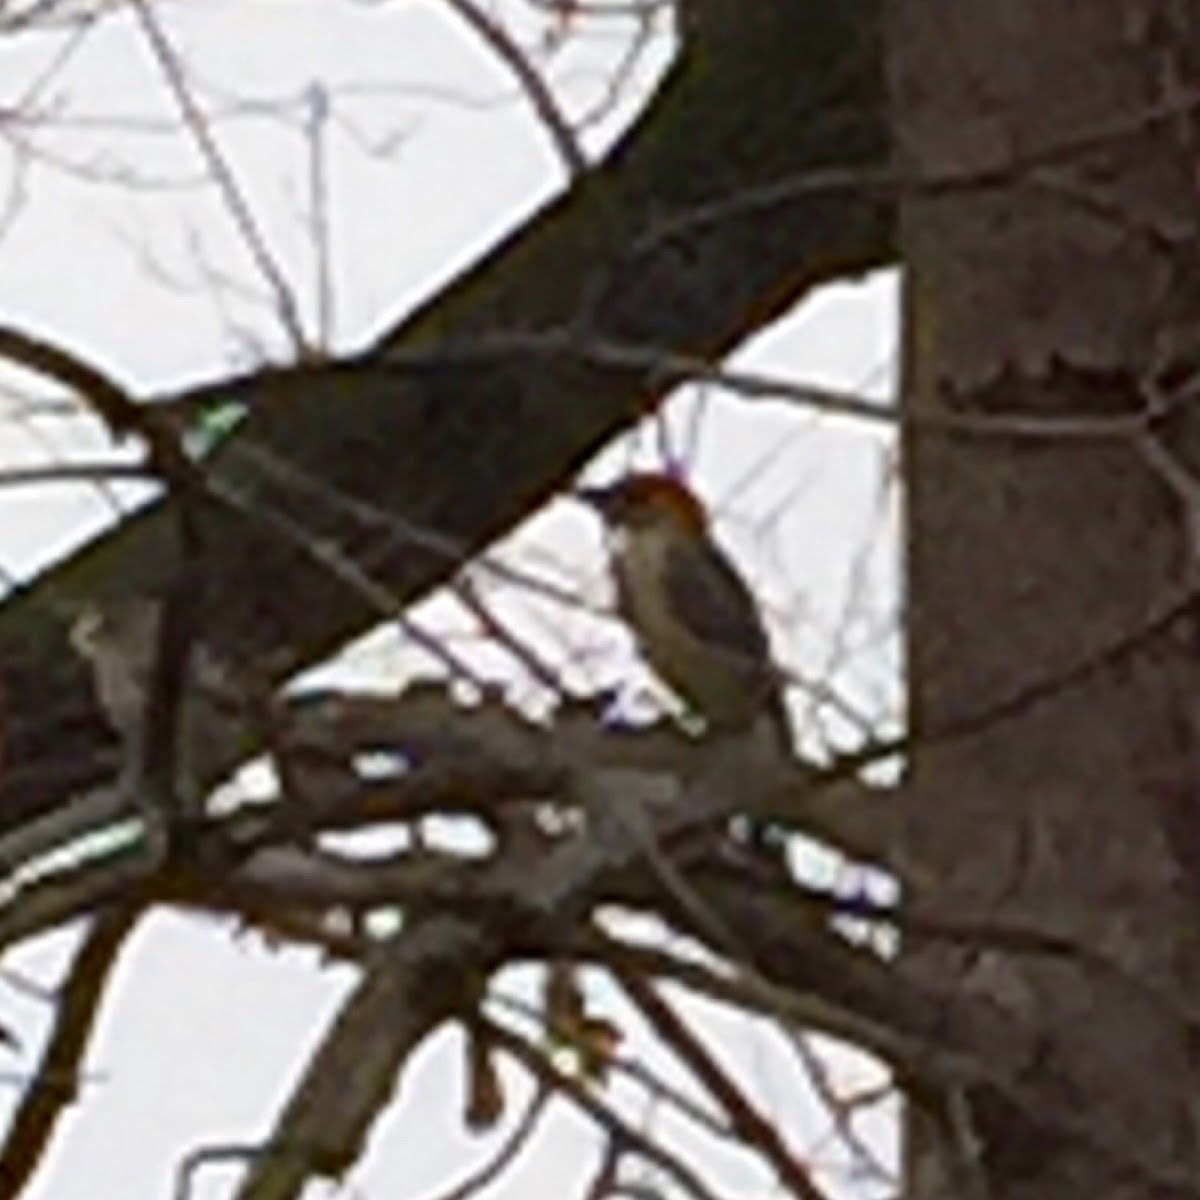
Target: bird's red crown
<point x="649" y="494"/>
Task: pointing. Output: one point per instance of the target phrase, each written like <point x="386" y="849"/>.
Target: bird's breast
<point x="711" y="680"/>
<point x="640" y="570"/>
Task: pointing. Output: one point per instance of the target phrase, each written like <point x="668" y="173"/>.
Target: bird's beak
<point x="598" y="498"/>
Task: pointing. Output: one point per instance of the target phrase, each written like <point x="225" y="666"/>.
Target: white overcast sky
<point x="111" y="246"/>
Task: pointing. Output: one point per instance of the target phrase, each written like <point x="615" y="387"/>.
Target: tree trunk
<point x="1048" y="154"/>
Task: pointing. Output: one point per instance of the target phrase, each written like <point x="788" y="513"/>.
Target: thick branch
<point x="414" y="982"/>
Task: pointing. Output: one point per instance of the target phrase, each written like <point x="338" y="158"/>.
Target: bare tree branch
<point x="532" y="84"/>
<point x="753" y="1128"/>
<point x="55" y="1085"/>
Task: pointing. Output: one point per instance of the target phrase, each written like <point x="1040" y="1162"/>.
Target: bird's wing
<point x="713" y="600"/>
<point x="715" y="604"/>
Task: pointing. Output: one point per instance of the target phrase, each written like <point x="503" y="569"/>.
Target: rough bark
<point x="702" y="225"/>
<point x="1055" y="287"/>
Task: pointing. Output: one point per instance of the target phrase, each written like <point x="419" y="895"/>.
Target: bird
<point x="692" y="614"/>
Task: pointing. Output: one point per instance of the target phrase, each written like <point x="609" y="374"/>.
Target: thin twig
<point x="195" y="1161"/>
<point x="69" y="473"/>
<point x="508" y="1150"/>
<point x="752" y="1128"/>
<point x="468" y="594"/>
<point x="629" y="1139"/>
<point x="222" y="175"/>
<point x="532" y="84"/>
<point x="316" y="127"/>
<point x="55" y="1086"/>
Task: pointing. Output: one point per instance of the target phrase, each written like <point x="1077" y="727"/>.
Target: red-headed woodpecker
<point x="695" y="620"/>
